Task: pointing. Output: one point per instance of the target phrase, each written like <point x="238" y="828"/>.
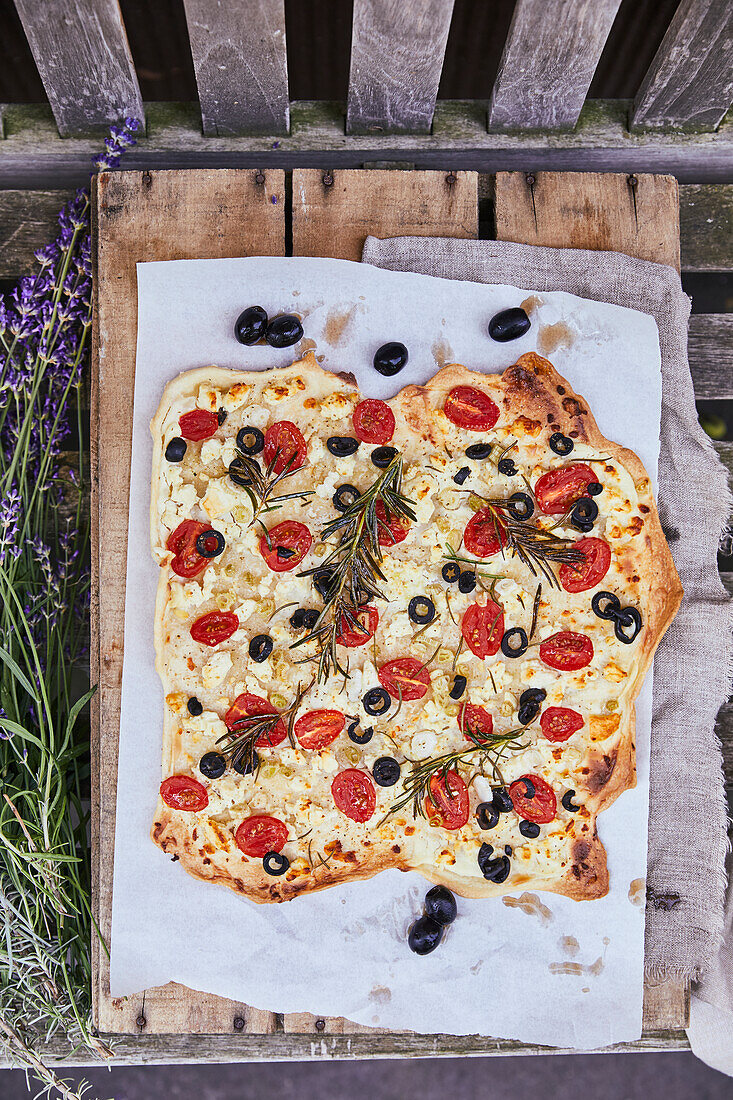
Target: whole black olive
<point x="501" y="800"/>
<point x="451" y="572"/>
<point x="359" y="737"/>
<point x="509" y="324"/>
<point x="520" y="506"/>
<point x="275" y="863"/>
<point x="251" y="325"/>
<point x="627" y="619"/>
<point x="440" y="904"/>
<point x="605" y="605"/>
<point x="530" y="829"/>
<point x="561" y="444"/>
<point x="390" y="358"/>
<point x="567" y="801"/>
<point x="382" y="456"/>
<point x="376" y="701"/>
<point x="467" y="581"/>
<point x="260" y="648"/>
<point x="424" y="935"/>
<point x="515" y="642"/>
<point x="212" y="765"/>
<point x="221" y="415"/>
<point x="324" y="582"/>
<point x="530" y="702"/>
<point x="209" y="544"/>
<point x="239" y="473"/>
<point x="507" y="467"/>
<point x="585" y="511"/>
<point x="341" y="446"/>
<point x="345" y="496"/>
<point x="494" y="868"/>
<point x="421" y="609"/>
<point x="458" y="688"/>
<point x="386" y="771"/>
<point x="176" y="449"/>
<point x="194" y="707"/>
<point x="462" y="474"/>
<point x="478" y="450"/>
<point x="284" y="331"/>
<point x="310" y="618"/>
<point x="487" y="815"/>
<point x="250" y="440"/>
<point x="594" y="489"/>
<point x="246" y="763"/>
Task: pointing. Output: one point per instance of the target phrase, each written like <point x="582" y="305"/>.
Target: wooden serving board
<point x="216" y="213"/>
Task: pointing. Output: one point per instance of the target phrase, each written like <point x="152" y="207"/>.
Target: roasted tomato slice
<point x="567" y="651"/>
<point x="351" y="635"/>
<point x="405" y="678"/>
<point x="215" y="627"/>
<point x="187" y="562"/>
<point x="482" y="628"/>
<point x="448" y="800"/>
<point x="247" y="706"/>
<point x="319" y="728"/>
<point x="285" y="444"/>
<point x="475" y="720"/>
<point x="483" y="535"/>
<point x="373" y="421"/>
<point x="579" y="576"/>
<point x="183" y="792"/>
<point x="557" y="490"/>
<point x="285" y="545"/>
<point x="470" y="408"/>
<point x="559" y="723"/>
<point x="393" y="530"/>
<point x="354" y="795"/>
<point x="260" y="834"/>
<point x="198" y="424"/>
<point x="534" y="800"/>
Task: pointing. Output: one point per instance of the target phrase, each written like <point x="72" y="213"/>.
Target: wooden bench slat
<point x="690" y="80"/>
<point x="397" y="51"/>
<point x="81" y="51"/>
<point x="710" y="350"/>
<point x="549" y="59"/>
<point x="706" y="225"/>
<point x="239" y="56"/>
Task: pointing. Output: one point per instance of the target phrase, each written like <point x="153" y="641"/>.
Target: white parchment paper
<point x="554" y="971"/>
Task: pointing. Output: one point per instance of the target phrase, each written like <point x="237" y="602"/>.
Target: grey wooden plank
<point x="81" y="50"/>
<point x="548" y="63"/>
<point x="710" y="350"/>
<point x="397" y="50"/>
<point x="706" y="225"/>
<point x="690" y="80"/>
<point x="28" y="220"/>
<point x="239" y="56"/>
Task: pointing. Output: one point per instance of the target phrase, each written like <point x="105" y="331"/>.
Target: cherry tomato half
<point x="187" y="562"/>
<point x="541" y="807"/>
<point x="475" y="720"/>
<point x="350" y="635"/>
<point x="373" y="421"/>
<point x="393" y="530"/>
<point x="448" y="800"/>
<point x="215" y="627"/>
<point x="405" y="678"/>
<point x="579" y="576"/>
<point x="483" y="535"/>
<point x="247" y="706"/>
<point x="559" y="723"/>
<point x="354" y="795"/>
<point x="482" y="628"/>
<point x="567" y="651"/>
<point x="285" y="545"/>
<point x="470" y="408"/>
<point x="260" y="834"/>
<point x="183" y="792"/>
<point x="198" y="424"/>
<point x="558" y="490"/>
<point x="319" y="728"/>
<point x="285" y="441"/>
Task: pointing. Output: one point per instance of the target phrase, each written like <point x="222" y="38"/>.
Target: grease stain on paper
<point x="594" y="968"/>
<point x="569" y="945"/>
<point x="552" y="337"/>
<point x="380" y="995"/>
<point x="335" y="326"/>
<point x="307" y="345"/>
<point x="530" y="904"/>
<point x="637" y="892"/>
<point x="442" y="352"/>
<point x="529" y="305"/>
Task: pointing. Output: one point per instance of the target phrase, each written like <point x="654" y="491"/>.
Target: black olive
<point x="520" y="506"/>
<point x="345" y="496"/>
<point x="341" y="446"/>
<point x="424" y="935"/>
<point x="584" y="526"/>
<point x="376" y="701"/>
<point x="260" y="648"/>
<point x="212" y="765"/>
<point x="382" y="456"/>
<point x="567" y="801"/>
<point x="529" y="788"/>
<point x="359" y="737"/>
<point x="509" y="324"/>
<point x="487" y="815"/>
<point x="561" y="444"/>
<point x="530" y="829"/>
<point x="251" y="325"/>
<point x="451" y="572"/>
<point x="250" y="440"/>
<point x="594" y="488"/>
<point x="310" y="618"/>
<point x="441" y="905"/>
<point x="515" y="642"/>
<point x="507" y="849"/>
<point x="176" y="449"/>
<point x="390" y="358"/>
<point x="628" y="618"/>
<point x="386" y="771"/>
<point x="493" y="868"/>
<point x="283" y="331"/>
<point x="297" y="618"/>
<point x="501" y="800"/>
<point x="194" y="707"/>
<point x="245" y="764"/>
<point x="605" y="605"/>
<point x="467" y="581"/>
<point x="462" y="474"/>
<point x="284" y="553"/>
<point x="221" y="416"/>
<point x="478" y="450"/>
<point x="324" y="582"/>
<point x="507" y="467"/>
<point x="209" y="544"/>
<point x="421" y="609"/>
<point x="275" y="863"/>
<point x="239" y="473"/>
<point x="585" y="512"/>
<point x="530" y="702"/>
<point x="458" y="688"/>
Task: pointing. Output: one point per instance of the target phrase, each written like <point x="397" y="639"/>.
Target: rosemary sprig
<point x="452" y="555"/>
<point x="238" y="744"/>
<point x="262" y="486"/>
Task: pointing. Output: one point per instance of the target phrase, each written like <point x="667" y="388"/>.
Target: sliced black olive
<point x="507" y="467"/>
<point x="529" y="788"/>
<point x="584" y="526"/>
<point x="382" y="456"/>
<point x="507" y="849"/>
<point x="341" y="446"/>
<point x="440" y="904"/>
<point x="212" y="765"/>
<point x="284" y="553"/>
<point x="605" y="605"/>
<point x="462" y="474"/>
<point x="421" y="609"/>
<point x="487" y="815"/>
<point x="530" y="829"/>
<point x="458" y="688"/>
<point x="509" y="324"/>
<point x="451" y="572"/>
<point x="283" y="331"/>
<point x="467" y="581"/>
<point x="251" y="325"/>
<point x="386" y="771"/>
<point x="478" y="450"/>
<point x="275" y="863"/>
<point x="390" y="358"/>
<point x="376" y="701"/>
<point x="424" y="935"/>
<point x="594" y="488"/>
<point x="345" y="496"/>
<point x="239" y="473"/>
<point x="250" y="440"/>
<point x="520" y="506"/>
<point x="561" y="444"/>
<point x="627" y="619"/>
<point x="221" y="416"/>
<point x="194" y="707"/>
<point x="246" y="763"/>
<point x="260" y="648"/>
<point x="530" y="702"/>
<point x="297" y="619"/>
<point x="310" y="618"/>
<point x="211" y="543"/>
<point x="515" y="642"/>
<point x="567" y="801"/>
<point x="501" y="800"/>
<point x="176" y="449"/>
<point x="324" y="582"/>
<point x="359" y="737"/>
<point x="493" y="868"/>
<point x="585" y="511"/>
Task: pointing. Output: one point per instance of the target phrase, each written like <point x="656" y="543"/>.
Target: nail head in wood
<point x="260" y="178"/>
<point x="531" y="179"/>
<point x="141" y="1021"/>
<point x="320" y="1025"/>
<point x="451" y="178"/>
<point x="327" y="179"/>
<point x="238" y="1023"/>
<point x="633" y="182"/>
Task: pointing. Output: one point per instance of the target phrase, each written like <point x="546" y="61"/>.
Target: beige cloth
<point x="687" y="823"/>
